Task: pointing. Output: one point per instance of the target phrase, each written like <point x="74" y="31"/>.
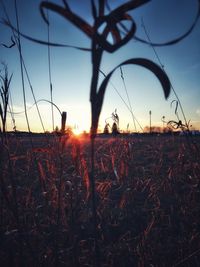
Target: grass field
<point x="147" y="201"/>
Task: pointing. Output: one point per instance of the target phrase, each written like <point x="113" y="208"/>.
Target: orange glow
<point x="77" y="131"/>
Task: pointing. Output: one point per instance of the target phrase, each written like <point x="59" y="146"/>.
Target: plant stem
<point x="94" y="210"/>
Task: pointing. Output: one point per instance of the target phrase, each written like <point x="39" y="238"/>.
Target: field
<point x="147" y="201"/>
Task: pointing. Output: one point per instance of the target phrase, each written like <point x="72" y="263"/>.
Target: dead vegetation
<point x="147" y="202"/>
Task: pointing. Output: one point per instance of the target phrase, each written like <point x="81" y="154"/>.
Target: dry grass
<point x="147" y="202"/>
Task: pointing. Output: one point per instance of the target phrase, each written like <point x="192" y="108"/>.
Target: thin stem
<point x="94" y="208"/>
<point x="49" y="70"/>
<point x="129" y="102"/>
<point x="21" y="68"/>
<point x="96" y="61"/>
<point x="162" y="66"/>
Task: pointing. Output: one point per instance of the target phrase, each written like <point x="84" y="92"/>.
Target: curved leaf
<point x="176" y="105"/>
<point x="178" y="39"/>
<point x="130" y="5"/>
<point x="148" y="64"/>
<point x="171" y="42"/>
<point x="67" y="14"/>
<point x="42" y="42"/>
<point x="116" y="16"/>
<point x="111" y="27"/>
<point x="94" y="10"/>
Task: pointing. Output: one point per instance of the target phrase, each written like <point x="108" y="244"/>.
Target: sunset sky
<point x="71" y="68"/>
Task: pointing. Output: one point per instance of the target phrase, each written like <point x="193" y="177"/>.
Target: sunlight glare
<point x="77" y="131"/>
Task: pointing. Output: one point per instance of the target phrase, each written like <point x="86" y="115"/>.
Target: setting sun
<point x="76" y="130"/>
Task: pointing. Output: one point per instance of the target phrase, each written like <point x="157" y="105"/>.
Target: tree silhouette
<point x="115" y="129"/>
<point x="106" y="129"/>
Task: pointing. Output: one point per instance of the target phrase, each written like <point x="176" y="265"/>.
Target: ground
<point x="147" y="201"/>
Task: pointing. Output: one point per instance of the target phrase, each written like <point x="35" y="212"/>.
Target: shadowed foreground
<point x="148" y="211"/>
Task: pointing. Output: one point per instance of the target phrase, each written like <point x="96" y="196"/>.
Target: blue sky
<point x="71" y="69"/>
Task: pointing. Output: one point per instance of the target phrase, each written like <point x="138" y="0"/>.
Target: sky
<point x="71" y="69"/>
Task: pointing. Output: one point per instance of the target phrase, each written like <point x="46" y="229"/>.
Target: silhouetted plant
<point x="106" y="128"/>
<point x="13" y="43"/>
<point x="4" y="91"/>
<point x="63" y="121"/>
<point x="115" y="117"/>
<point x="163" y="121"/>
<point x="99" y="44"/>
<point x="150" y="121"/>
<point x="127" y="128"/>
<point x="178" y="124"/>
<point x="115" y="130"/>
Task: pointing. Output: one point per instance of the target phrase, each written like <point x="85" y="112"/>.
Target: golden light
<point x="77" y="131"/>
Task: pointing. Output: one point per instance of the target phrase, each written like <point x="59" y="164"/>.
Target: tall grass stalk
<point x="4" y="95"/>
<point x="21" y="68"/>
<point x="162" y="66"/>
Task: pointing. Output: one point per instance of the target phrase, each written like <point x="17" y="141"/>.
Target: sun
<point x="77" y="131"/>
